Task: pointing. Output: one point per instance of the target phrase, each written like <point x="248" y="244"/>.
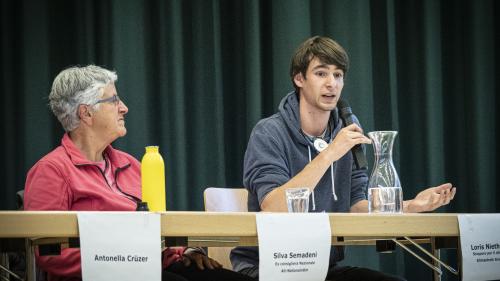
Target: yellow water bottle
<point x="153" y="179"/>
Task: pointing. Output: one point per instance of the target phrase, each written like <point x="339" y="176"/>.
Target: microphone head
<point x="344" y="107"/>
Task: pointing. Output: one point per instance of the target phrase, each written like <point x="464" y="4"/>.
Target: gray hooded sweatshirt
<point x="276" y="152"/>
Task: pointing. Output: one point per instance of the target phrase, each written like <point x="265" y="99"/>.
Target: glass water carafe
<point x="384" y="188"/>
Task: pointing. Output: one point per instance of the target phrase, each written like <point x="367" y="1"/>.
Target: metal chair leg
<point x="30" y="261"/>
<point x="11" y="273"/>
<point x="437" y="269"/>
<point x="4" y="264"/>
<point x="436" y="253"/>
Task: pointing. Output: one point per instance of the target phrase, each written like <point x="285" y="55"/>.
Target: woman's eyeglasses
<point x="114" y="99"/>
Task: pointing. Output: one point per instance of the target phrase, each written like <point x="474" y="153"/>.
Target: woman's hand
<point x="201" y="260"/>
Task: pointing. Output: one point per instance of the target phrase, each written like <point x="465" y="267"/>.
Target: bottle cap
<point x="152" y="148"/>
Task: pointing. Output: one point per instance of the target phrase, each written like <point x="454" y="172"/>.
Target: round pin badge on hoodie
<point x="320" y="144"/>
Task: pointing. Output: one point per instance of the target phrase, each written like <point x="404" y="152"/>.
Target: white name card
<point x="293" y="247"/>
<point x="120" y="246"/>
<point x="480" y="244"/>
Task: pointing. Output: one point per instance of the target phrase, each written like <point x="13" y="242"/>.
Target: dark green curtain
<point x="198" y="75"/>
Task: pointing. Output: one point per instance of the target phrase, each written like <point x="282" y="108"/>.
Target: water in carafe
<point x="385" y="194"/>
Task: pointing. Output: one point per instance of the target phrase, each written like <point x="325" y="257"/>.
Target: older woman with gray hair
<point x="85" y="173"/>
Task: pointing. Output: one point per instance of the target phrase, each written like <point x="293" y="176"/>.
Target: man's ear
<point x="299" y="79"/>
<point x="85" y="113"/>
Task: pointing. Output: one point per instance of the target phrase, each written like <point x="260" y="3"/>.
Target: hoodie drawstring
<point x="333" y="182"/>
<point x="312" y="191"/>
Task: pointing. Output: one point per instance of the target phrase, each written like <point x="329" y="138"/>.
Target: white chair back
<point x="219" y="199"/>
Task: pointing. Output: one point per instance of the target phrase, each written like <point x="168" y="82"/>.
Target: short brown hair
<point x="325" y="49"/>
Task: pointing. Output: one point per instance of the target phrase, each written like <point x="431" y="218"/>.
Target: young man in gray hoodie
<point x="281" y="154"/>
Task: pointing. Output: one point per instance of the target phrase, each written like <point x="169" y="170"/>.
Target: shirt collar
<point x="78" y="158"/>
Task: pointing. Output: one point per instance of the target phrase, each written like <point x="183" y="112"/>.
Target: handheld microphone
<point x="346" y="116"/>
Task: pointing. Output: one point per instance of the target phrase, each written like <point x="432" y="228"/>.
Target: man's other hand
<point x="432" y="198"/>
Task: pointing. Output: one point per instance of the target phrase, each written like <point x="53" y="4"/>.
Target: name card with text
<point x="480" y="245"/>
<point x="120" y="246"/>
<point x="293" y="247"/>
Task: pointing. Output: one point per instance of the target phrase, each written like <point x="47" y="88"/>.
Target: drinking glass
<point x="297" y="199"/>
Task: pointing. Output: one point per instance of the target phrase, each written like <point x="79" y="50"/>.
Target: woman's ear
<point x="85" y="113"/>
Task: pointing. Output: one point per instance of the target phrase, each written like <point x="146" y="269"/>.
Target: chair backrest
<point x="218" y="199"/>
<point x="20" y="199"/>
<point x="224" y="200"/>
